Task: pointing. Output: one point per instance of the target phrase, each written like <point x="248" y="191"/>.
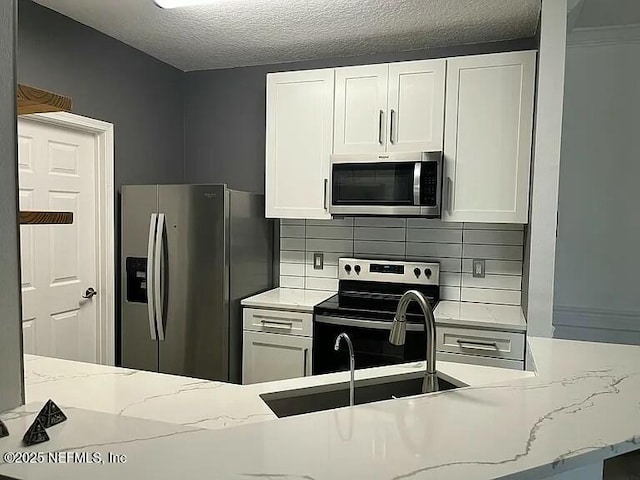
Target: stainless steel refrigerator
<point x="190" y="253"/>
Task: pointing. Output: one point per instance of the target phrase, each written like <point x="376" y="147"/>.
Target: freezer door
<point x="138" y="348"/>
<point x="194" y="331"/>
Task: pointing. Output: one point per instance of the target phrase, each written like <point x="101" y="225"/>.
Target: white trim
<point x="600" y="36"/>
<point x="546" y="168"/>
<point x="105" y="217"/>
<point x="596" y="318"/>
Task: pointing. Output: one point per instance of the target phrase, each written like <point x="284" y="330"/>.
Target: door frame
<point x="105" y="221"/>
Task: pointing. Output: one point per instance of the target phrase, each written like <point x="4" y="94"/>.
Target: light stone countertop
<point x="200" y="403"/>
<point x="583" y="406"/>
<point x="294" y="299"/>
<point x="481" y="315"/>
<point x="464" y="314"/>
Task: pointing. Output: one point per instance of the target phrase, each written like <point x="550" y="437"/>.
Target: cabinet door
<point x="487" y="142"/>
<point x="269" y="356"/>
<point x="361" y="109"/>
<point x="416" y="106"/>
<point x="299" y="143"/>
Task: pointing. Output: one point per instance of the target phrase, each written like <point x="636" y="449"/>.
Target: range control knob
<point x="347" y="268"/>
<point x="416" y="271"/>
<point x="427" y="272"/>
<point x="357" y="269"/>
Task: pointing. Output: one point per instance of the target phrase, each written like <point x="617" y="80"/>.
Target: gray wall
<point x="109" y="81"/>
<point x="597" y="267"/>
<point x="11" y="389"/>
<point x="225" y="113"/>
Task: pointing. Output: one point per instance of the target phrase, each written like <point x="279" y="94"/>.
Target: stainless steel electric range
<point x="364" y="307"/>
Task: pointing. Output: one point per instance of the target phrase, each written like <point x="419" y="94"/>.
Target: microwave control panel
<point x="429" y="181"/>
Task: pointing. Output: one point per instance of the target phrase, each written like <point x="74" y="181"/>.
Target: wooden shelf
<point x="45" y="218"/>
<point x="35" y="100"/>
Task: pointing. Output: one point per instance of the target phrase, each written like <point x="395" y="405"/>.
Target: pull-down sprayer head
<point x="398" y="331"/>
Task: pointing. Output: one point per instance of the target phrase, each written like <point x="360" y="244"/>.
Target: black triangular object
<point x="35" y="434"/>
<point x="51" y="415"/>
<point x="4" y="431"/>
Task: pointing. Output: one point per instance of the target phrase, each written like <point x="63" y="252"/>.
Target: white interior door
<point x="59" y="262"/>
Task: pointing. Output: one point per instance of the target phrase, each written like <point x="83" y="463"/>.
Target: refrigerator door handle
<point x="158" y="276"/>
<point x="150" y="277"/>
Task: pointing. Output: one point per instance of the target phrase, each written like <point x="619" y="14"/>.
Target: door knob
<point x="90" y="293"/>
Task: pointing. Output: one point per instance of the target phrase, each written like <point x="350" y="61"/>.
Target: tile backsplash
<point x="454" y="245"/>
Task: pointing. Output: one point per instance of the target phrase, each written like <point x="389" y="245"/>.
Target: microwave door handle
<point x="151" y="304"/>
<point x="380" y="123"/>
<point x="417" y="174"/>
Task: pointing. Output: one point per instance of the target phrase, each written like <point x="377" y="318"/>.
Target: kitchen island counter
<point x="582" y="407"/>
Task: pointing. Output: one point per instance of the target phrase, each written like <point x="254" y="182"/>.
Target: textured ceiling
<point x="234" y="33"/>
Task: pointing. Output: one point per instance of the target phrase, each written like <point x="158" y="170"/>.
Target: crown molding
<point x="596" y="318"/>
<point x="597" y="36"/>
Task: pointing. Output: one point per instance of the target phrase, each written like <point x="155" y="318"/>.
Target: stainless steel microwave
<point x="389" y="184"/>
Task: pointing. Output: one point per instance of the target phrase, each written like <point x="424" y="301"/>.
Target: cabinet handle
<point x="380" y="122"/>
<point x="478" y="345"/>
<point x="326" y="186"/>
<point x="391" y="128"/>
<point x="449" y="194"/>
<point x="305" y="353"/>
<point x="275" y="324"/>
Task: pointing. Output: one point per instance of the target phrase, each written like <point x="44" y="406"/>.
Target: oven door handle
<point x="417" y="174"/>
<point x="360" y="323"/>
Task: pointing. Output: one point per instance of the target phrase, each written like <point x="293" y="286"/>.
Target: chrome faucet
<point x="399" y="330"/>
<point x="352" y="364"/>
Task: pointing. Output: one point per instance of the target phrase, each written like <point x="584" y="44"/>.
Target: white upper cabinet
<point x="487" y="139"/>
<point x="397" y="107"/>
<point x="299" y="143"/>
<point x="416" y="106"/>
<point x="361" y="109"/>
<point x="477" y="109"/>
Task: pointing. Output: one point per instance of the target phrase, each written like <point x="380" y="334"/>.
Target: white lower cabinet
<point x="492" y="348"/>
<point x="276" y="345"/>
<point x="270" y="356"/>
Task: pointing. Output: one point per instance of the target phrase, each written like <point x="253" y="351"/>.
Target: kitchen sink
<point x="327" y="397"/>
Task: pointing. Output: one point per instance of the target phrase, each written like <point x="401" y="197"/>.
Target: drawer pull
<point x="266" y="322"/>
<point x="478" y="345"/>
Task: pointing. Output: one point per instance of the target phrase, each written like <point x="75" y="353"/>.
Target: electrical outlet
<point x="478" y="268"/>
<point x="318" y="261"/>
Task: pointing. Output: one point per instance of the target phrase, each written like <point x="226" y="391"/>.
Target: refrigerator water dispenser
<point x="136" y="279"/>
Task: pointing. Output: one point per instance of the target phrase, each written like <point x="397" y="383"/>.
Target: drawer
<point x="484" y="343"/>
<point x="478" y="360"/>
<point x="278" y="321"/>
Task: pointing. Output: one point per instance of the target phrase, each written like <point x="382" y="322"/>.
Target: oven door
<point x="370" y="343"/>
